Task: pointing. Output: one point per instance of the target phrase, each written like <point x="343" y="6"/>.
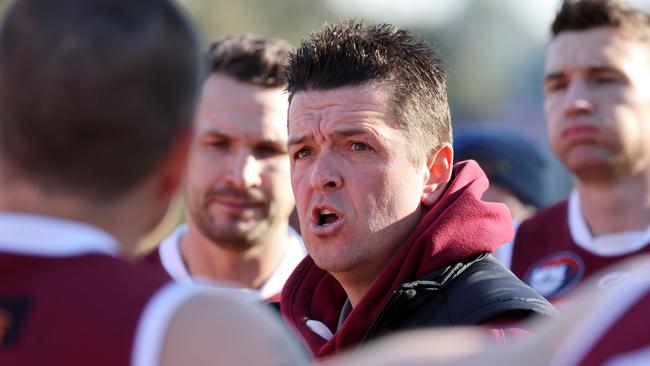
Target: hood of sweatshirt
<point x="459" y="225"/>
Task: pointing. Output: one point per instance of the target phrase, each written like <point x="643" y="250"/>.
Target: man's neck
<point x="357" y="283"/>
<point x="359" y="279"/>
<point x="122" y="217"/>
<point x="616" y="207"/>
<point x="250" y="268"/>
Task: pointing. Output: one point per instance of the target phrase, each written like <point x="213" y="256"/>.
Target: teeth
<point x="325" y="211"/>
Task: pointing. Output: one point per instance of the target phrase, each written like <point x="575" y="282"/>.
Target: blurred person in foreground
<point x="599" y="327"/>
<point x="95" y="96"/>
<point x="597" y="106"/>
<point x="398" y="238"/>
<point x="516" y="168"/>
<point x="237" y="184"/>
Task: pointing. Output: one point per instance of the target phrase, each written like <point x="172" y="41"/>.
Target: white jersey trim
<point x="638" y="357"/>
<point x="154" y="321"/>
<point x="608" y="245"/>
<point x="39" y="235"/>
<point x="172" y="261"/>
<point x="601" y="317"/>
<point x="296" y="252"/>
<point x="170" y="256"/>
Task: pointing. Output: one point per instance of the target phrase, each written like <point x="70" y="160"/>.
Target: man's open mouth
<point x="326" y="217"/>
<point x="325" y="221"/>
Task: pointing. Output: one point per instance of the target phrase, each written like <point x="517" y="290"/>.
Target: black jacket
<point x="466" y="293"/>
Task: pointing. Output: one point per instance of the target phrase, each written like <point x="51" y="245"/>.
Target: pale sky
<point x="538" y="13"/>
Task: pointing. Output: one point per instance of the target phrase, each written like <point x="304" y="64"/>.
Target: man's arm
<point x="212" y="328"/>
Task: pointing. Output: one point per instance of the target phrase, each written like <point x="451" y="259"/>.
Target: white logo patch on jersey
<point x="555" y="274"/>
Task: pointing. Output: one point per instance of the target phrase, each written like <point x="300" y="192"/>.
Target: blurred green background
<point x="494" y="49"/>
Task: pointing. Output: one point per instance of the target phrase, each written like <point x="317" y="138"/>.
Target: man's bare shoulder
<point x="213" y="328"/>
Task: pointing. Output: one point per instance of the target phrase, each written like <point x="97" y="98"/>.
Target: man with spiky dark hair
<point x="237" y="183"/>
<point x="398" y="238"/>
<point x="95" y="100"/>
<point x="597" y="106"/>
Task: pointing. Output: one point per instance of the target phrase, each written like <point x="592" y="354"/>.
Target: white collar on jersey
<point x="170" y="257"/>
<point x="30" y="234"/>
<point x="296" y="252"/>
<point x="607" y="245"/>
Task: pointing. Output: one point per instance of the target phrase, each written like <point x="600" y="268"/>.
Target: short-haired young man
<point x="95" y="96"/>
<point x="597" y="105"/>
<point x="397" y="237"/>
<point x="237" y="184"/>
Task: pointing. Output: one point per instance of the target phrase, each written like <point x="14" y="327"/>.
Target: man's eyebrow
<point x="274" y="143"/>
<point x="591" y="70"/>
<point x="350" y="132"/>
<point x="296" y="140"/>
<point x="554" y="76"/>
<point x="602" y="69"/>
<point x="213" y="133"/>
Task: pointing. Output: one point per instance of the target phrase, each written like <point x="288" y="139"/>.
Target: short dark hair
<point x="93" y="92"/>
<point x="354" y="54"/>
<point x="251" y="59"/>
<point x="580" y="15"/>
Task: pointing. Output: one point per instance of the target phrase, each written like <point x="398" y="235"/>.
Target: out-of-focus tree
<point x="495" y="65"/>
<point x="288" y="19"/>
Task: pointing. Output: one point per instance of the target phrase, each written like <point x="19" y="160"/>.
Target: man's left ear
<point x="439" y="164"/>
<point x="172" y="169"/>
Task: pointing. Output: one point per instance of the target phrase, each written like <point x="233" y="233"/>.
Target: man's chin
<point x="240" y="239"/>
<point x="599" y="171"/>
<point x="236" y="246"/>
<point x="232" y="232"/>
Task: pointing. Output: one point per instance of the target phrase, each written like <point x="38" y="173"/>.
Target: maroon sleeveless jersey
<point x="546" y="257"/>
<point x="152" y="259"/>
<point x="77" y="310"/>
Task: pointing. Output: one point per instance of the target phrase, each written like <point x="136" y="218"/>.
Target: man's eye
<point x="268" y="151"/>
<point x="359" y="146"/>
<point x="302" y="153"/>
<point x="220" y="144"/>
<point x="606" y="79"/>
<point x="556" y="86"/>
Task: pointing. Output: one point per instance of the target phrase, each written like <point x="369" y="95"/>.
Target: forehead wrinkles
<point x="327" y="124"/>
<point x="592" y="48"/>
<point x="319" y="111"/>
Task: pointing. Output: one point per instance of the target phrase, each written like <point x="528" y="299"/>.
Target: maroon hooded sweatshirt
<point x="458" y="226"/>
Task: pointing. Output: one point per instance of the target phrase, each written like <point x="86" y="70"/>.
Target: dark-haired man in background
<point x="95" y="96"/>
<point x="398" y="237"/>
<point x="237" y="185"/>
<point x="597" y="105"/>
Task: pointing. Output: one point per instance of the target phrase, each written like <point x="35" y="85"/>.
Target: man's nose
<point x="577" y="100"/>
<point x="245" y="172"/>
<point x="325" y="174"/>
